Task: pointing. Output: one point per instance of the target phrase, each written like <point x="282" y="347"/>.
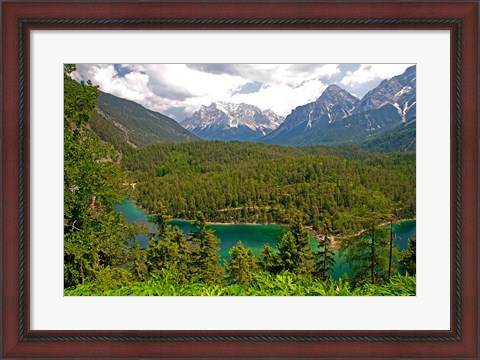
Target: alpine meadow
<point x="239" y="179"/>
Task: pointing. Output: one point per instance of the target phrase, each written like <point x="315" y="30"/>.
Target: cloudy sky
<point x="177" y="90"/>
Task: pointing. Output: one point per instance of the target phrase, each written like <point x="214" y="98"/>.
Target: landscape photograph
<point x="239" y="179"/>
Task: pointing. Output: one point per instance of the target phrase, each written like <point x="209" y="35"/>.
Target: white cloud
<point x="178" y="90"/>
<point x="132" y="86"/>
<point x="282" y="99"/>
<point x="288" y="74"/>
<point x="370" y="72"/>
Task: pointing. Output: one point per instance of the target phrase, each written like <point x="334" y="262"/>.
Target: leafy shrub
<point x="263" y="284"/>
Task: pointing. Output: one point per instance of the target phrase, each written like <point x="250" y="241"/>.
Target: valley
<point x="239" y="196"/>
<point x="238" y="182"/>
<point x="336" y="117"/>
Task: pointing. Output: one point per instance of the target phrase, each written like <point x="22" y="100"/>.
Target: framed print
<point x="141" y="109"/>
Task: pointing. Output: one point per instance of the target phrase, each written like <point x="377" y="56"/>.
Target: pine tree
<point x="289" y="255"/>
<point x="268" y="259"/>
<point x="205" y="265"/>
<point x="168" y="249"/>
<point x="183" y="256"/>
<point x="138" y="258"/>
<point x="409" y="257"/>
<point x="324" y="259"/>
<point x="368" y="256"/>
<point x="162" y="219"/>
<point x="241" y="266"/>
<point x="294" y="253"/>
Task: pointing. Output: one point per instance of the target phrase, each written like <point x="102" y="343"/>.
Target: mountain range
<point x="339" y="117"/>
<point x="384" y="119"/>
<point x="228" y="121"/>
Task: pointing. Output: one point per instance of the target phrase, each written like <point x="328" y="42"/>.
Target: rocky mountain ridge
<point x="229" y="121"/>
<point x="339" y="117"/>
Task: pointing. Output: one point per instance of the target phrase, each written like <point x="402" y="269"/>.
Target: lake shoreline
<point x="254" y="236"/>
<point x="216" y="223"/>
<point x="232" y="223"/>
<point x="335" y="240"/>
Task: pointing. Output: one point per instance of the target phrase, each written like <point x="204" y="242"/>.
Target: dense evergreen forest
<point x="341" y="191"/>
<point x="246" y="182"/>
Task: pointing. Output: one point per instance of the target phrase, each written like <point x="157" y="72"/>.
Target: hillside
<point x="321" y="206"/>
<point x="338" y="117"/>
<point x="401" y="138"/>
<point x="244" y="182"/>
<point x="126" y="123"/>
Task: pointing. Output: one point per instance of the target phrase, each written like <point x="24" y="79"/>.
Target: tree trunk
<point x="372" y="272"/>
<point x="324" y="276"/>
<point x="391" y="245"/>
<point x="92" y="203"/>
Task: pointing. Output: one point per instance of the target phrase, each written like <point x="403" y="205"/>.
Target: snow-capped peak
<point x="237" y="118"/>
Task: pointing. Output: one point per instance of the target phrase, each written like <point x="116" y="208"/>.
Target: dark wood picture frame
<point x="18" y="18"/>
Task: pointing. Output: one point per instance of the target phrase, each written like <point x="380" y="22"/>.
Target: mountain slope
<point x="123" y="119"/>
<point x="110" y="133"/>
<point x="399" y="91"/>
<point x="331" y="107"/>
<point x="337" y="117"/>
<point x="228" y="121"/>
<point x="352" y="129"/>
<point x="401" y="138"/>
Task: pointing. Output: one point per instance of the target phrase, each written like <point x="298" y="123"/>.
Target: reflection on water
<point x="253" y="236"/>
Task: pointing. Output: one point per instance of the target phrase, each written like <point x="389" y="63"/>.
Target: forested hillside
<point x="344" y="189"/>
<point x="96" y="239"/>
<point x="127" y="123"/>
<point x="401" y="138"/>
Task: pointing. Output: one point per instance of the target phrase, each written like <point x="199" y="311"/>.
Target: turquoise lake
<point x="252" y="236"/>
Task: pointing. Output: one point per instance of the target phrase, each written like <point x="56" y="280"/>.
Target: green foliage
<point x="167" y="249"/>
<point x="95" y="238"/>
<point x="183" y="260"/>
<point x="205" y="257"/>
<point x="138" y="258"/>
<point x="324" y="258"/>
<point x="242" y="265"/>
<point x="110" y="133"/>
<point x="257" y="183"/>
<point x="108" y="278"/>
<point x="263" y="284"/>
<point x="340" y="190"/>
<point x="368" y="255"/>
<point x="268" y="259"/>
<point x="398" y="285"/>
<point x="136" y="126"/>
<point x="402" y="138"/>
<point x="162" y="220"/>
<point x="294" y="252"/>
<point x="409" y="257"/>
